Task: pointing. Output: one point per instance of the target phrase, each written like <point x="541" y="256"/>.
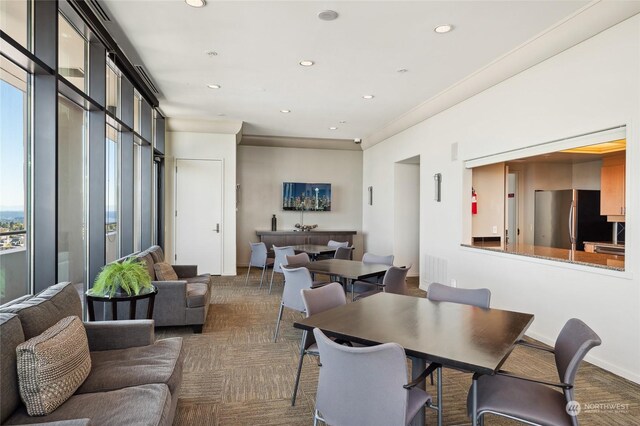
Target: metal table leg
<point x="474" y="400"/>
<point x="417" y="366"/>
<point x="439" y="387"/>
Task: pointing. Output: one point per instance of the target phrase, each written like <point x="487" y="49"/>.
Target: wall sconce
<point x="370" y="189"/>
<point x="437" y="181"/>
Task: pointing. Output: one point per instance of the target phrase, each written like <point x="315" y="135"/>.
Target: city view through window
<point x="12" y="170"/>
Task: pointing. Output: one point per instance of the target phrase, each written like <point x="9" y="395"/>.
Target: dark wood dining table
<point x="445" y="334"/>
<point x="314" y="250"/>
<point x="349" y="270"/>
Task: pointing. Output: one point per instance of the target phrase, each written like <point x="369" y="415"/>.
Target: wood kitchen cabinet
<point x="612" y="186"/>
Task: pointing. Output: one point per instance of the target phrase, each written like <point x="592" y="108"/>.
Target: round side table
<point x="145" y="294"/>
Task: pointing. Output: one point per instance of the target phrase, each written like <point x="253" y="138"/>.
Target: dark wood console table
<point x="294" y="238"/>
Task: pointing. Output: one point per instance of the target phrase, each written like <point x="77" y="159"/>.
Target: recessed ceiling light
<point x="196" y="3"/>
<point x="333" y="128"/>
<point x="441" y="29"/>
<point x="213" y="86"/>
<point x="328" y="15"/>
<point x="285" y="111"/>
<point x="368" y="97"/>
<point x="306" y="63"/>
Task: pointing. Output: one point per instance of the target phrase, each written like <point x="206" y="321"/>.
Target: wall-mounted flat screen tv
<point x="306" y="196"/>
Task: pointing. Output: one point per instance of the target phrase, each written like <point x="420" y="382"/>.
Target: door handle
<point x="217" y="228"/>
<point x="571" y="236"/>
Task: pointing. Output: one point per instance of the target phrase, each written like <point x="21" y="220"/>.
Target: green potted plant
<point x="130" y="277"/>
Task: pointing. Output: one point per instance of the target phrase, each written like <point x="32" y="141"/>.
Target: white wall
<point x="593" y="86"/>
<point x="212" y="146"/>
<point x="261" y="172"/>
<point x="406" y="244"/>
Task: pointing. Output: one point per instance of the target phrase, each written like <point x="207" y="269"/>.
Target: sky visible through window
<point x="12" y="164"/>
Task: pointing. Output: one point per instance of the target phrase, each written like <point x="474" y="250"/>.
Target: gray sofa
<point x="182" y="302"/>
<point x="134" y="380"/>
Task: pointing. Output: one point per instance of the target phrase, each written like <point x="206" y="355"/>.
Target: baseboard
<point x="599" y="362"/>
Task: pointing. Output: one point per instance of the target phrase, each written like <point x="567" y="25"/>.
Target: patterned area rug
<point x="235" y="374"/>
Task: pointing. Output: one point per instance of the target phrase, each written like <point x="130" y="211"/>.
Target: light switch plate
<point x="495" y="229"/>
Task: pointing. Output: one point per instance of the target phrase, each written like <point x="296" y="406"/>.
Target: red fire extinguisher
<point x="474" y="202"/>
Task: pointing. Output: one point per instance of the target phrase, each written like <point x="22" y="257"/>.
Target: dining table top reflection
<point x="348" y="269"/>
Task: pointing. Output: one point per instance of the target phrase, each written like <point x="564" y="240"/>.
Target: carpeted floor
<point x="235" y="375"/>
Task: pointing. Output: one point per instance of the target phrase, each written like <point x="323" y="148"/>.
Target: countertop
<point x="599" y="260"/>
<point x="313" y="231"/>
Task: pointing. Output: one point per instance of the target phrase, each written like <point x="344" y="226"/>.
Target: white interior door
<point x="198" y="215"/>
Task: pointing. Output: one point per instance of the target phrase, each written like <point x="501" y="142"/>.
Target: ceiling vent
<point x="147" y="79"/>
<point x="99" y="10"/>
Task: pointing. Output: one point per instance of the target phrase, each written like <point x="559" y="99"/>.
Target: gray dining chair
<point x="394" y="281"/>
<point x="315" y="301"/>
<point x="302" y="259"/>
<point x="298" y="259"/>
<point x="333" y="243"/>
<point x="380" y="259"/>
<point x="343" y="253"/>
<point x="281" y="259"/>
<point x="365" y="385"/>
<point x="259" y="259"/>
<point x="295" y="279"/>
<point x="536" y="401"/>
<point x="480" y="297"/>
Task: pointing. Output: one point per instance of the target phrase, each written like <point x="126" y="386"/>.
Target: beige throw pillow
<point x="53" y="365"/>
<point x="165" y="272"/>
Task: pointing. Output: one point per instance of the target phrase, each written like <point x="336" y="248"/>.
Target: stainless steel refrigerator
<point x="567" y="218"/>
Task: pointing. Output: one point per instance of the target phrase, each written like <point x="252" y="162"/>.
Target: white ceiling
<point x="259" y="45"/>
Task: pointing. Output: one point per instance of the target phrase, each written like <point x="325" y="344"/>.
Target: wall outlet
<point x="495" y="229"/>
<point x="454" y="284"/>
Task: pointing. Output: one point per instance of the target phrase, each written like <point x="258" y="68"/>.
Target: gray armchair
<point x="536" y="401"/>
<point x="184" y="301"/>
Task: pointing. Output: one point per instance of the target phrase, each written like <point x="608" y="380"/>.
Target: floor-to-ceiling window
<point x="68" y="110"/>
<point x="72" y="184"/>
<point x="72" y="54"/>
<point x="137" y="196"/>
<point x="15" y="20"/>
<point x="14" y="181"/>
<point x="112" y="213"/>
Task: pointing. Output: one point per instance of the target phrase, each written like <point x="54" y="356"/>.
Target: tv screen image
<point x="306" y="196"/>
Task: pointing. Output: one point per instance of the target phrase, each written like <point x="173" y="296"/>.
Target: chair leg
<point x="315" y="418"/>
<point x="247" y="280"/>
<point x="275" y="337"/>
<point x="273" y="271"/>
<point x="264" y="268"/>
<point x="295" y="386"/>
